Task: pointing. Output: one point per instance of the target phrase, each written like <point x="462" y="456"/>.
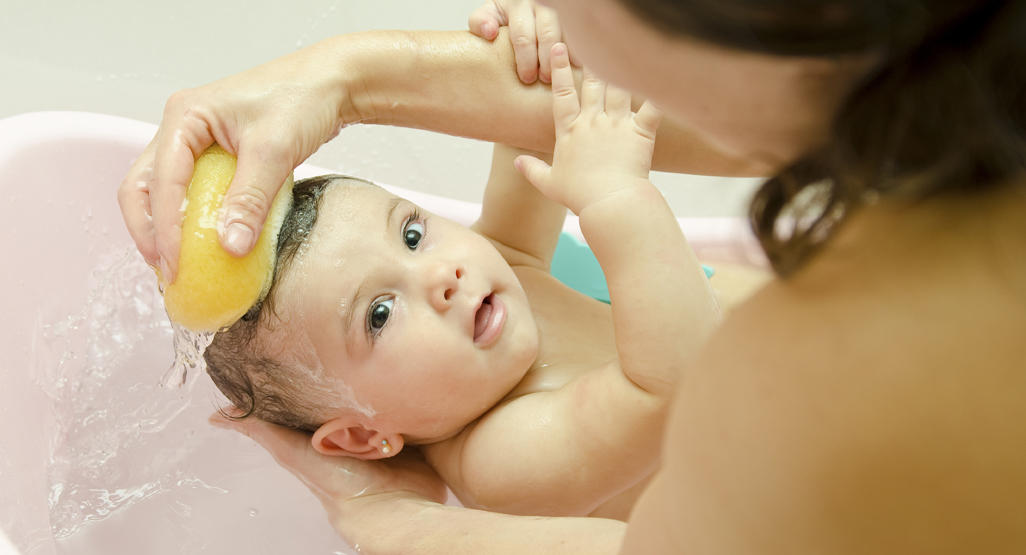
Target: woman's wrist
<point x="380" y="523"/>
<point x="375" y="71"/>
<point x="404" y="524"/>
<point x="444" y="81"/>
<point x="349" y="62"/>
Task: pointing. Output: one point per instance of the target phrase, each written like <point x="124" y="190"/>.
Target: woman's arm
<point x="459" y="84"/>
<point x="401" y="525"/>
<point x="276" y="115"/>
<point x="394" y="506"/>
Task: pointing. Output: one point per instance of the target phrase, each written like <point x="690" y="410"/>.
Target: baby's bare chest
<point x="575" y="333"/>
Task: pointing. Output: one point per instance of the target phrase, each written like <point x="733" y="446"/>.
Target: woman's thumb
<point x="247" y="204"/>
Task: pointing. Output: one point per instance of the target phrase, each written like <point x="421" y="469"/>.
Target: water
<point x="133" y="464"/>
<point x="188" y="347"/>
<point x="108" y="402"/>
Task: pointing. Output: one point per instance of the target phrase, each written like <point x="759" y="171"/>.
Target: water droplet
<point x="253" y="512"/>
<point x="189" y="347"/>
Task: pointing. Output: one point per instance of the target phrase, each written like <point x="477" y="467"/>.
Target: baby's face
<point x="421" y="317"/>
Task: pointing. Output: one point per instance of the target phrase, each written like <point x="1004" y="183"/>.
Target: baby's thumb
<point x="247" y="204"/>
<point x="536" y="171"/>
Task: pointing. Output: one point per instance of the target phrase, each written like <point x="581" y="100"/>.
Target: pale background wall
<point x="125" y="57"/>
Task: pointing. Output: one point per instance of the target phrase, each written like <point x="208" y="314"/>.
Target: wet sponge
<point x="213" y="289"/>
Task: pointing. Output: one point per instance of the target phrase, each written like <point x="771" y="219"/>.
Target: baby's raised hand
<point x="603" y="149"/>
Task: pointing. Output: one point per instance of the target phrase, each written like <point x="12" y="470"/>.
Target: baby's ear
<point x="339" y="437"/>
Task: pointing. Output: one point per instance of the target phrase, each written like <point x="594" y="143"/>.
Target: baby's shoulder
<point x="526" y="454"/>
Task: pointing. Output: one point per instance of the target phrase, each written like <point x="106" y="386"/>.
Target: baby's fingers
<point x="647" y="119"/>
<point x="565" y="106"/>
<point x="536" y="171"/>
<point x="593" y="93"/>
<point x="618" y="101"/>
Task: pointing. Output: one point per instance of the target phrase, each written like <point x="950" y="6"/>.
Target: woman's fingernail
<point x="238" y="237"/>
<point x="558" y="49"/>
<point x="165" y="271"/>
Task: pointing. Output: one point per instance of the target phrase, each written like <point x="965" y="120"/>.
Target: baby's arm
<point x="663" y="307"/>
<point x="564" y="452"/>
<point x="523" y="223"/>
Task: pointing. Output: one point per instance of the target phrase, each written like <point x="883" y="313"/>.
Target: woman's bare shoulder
<point x="872" y="403"/>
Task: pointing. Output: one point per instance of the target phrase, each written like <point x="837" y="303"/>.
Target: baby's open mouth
<point x="489" y="320"/>
<point x="483" y="316"/>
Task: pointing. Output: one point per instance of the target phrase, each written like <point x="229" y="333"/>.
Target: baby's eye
<point x="378" y="314"/>
<point x="413" y="232"/>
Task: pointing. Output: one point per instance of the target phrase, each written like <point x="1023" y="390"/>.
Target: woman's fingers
<point x="134" y="201"/>
<point x="259" y="175"/>
<point x="533" y="30"/>
<point x="288" y="447"/>
<point x="337" y="479"/>
<point x="486" y="20"/>
<point x="546" y="24"/>
<point x="176" y="153"/>
<point x="524" y="37"/>
<point x="565" y="106"/>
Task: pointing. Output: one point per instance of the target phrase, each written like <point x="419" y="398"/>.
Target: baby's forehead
<point x="352" y="190"/>
<point x="346" y="204"/>
<point x="349" y="213"/>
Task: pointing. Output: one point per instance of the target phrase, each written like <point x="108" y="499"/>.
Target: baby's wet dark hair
<point x="255" y="383"/>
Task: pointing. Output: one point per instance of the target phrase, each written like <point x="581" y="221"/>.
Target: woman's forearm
<point x="414" y="527"/>
<point x="453" y="82"/>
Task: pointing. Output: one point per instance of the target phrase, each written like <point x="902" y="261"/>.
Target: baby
<point x="388" y="326"/>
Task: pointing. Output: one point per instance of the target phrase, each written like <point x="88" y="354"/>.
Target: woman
<point x="872" y="399"/>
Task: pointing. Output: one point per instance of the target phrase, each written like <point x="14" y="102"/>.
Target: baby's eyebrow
<point x="393" y="204"/>
<point x="350" y="308"/>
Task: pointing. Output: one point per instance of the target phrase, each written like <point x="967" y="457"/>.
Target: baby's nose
<point x="444" y="283"/>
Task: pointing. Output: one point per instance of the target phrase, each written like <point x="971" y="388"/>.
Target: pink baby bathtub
<point x="96" y="456"/>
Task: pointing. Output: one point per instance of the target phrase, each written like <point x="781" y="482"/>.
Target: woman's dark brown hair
<point x="944" y="109"/>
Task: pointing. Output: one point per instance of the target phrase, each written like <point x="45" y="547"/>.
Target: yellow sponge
<point x="213" y="289"/>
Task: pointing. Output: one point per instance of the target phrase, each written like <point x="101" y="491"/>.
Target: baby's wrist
<point x="638" y="194"/>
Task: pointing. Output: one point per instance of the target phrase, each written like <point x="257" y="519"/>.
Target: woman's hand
<point x="271" y="117"/>
<point x="533" y="30"/>
<point x="602" y="147"/>
<point x="343" y="485"/>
